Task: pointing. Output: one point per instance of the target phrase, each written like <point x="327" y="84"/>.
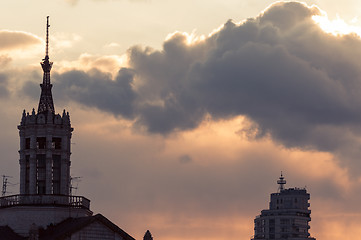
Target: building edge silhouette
<point x="288" y="215"/>
<point x="45" y="208"/>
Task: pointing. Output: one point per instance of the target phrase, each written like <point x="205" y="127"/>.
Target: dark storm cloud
<point x="298" y="84"/>
<point x="275" y="69"/>
<point x="16" y="40"/>
<point x="116" y="96"/>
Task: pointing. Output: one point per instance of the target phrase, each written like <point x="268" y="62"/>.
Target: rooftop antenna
<point x="77" y="180"/>
<point x="5" y="183"/>
<point x="281" y="182"/>
<point x="47" y="37"/>
<point x="46" y="99"/>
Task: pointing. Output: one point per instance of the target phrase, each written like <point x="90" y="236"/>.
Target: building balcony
<point x="45" y="200"/>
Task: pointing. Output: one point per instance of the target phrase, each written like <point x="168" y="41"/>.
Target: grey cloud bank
<point x="97" y="89"/>
<point x="293" y="82"/>
<point x="298" y="84"/>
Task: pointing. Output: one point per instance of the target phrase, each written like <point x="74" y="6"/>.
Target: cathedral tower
<point x="45" y="139"/>
<point x="45" y="143"/>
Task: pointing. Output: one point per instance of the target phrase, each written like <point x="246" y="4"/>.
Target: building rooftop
<point x="71" y="225"/>
<point x="7" y="233"/>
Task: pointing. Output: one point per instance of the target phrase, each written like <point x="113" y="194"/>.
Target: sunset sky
<point x="185" y="112"/>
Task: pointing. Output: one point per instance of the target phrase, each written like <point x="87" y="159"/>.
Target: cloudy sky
<point x="186" y="112"/>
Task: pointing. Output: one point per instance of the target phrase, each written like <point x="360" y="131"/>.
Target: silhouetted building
<point x="288" y="215"/>
<point x="94" y="227"/>
<point x="148" y="236"/>
<point x="45" y="207"/>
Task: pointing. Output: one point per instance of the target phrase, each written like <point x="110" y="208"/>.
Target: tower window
<point x="41" y="173"/>
<point x="56" y="143"/>
<point x="27" y="143"/>
<point x="27" y="173"/>
<point x="41" y="142"/>
<point x="56" y="173"/>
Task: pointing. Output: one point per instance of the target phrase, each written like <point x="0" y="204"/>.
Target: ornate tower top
<point x="45" y="149"/>
<point x="46" y="104"/>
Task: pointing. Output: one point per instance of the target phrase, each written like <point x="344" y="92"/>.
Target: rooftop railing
<point x="45" y="200"/>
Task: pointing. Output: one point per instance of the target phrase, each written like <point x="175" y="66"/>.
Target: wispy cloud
<point x="75" y="2"/>
<point x="17" y="40"/>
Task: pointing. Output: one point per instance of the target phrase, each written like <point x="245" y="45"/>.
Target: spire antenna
<point x="47" y="38"/>
<point x="281" y="182"/>
<point x="46" y="104"/>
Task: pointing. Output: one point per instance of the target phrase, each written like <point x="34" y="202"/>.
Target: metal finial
<point x="47" y="38"/>
<point x="46" y="99"/>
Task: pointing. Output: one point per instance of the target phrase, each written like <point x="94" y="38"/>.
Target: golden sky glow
<point x="184" y="119"/>
<point x="337" y="26"/>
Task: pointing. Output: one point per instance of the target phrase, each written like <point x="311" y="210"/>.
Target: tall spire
<point x="46" y="99"/>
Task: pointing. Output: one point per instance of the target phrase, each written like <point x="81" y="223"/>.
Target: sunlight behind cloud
<point x="113" y="44"/>
<point x="86" y="62"/>
<point x="19" y="45"/>
<point x="190" y="38"/>
<point x="205" y="122"/>
<point x="15" y="40"/>
<point x="336" y="26"/>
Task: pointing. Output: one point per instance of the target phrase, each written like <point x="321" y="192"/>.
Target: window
<point x="56" y="174"/>
<point x="27" y="143"/>
<point x="41" y="142"/>
<point x="40" y="173"/>
<point x="27" y="171"/>
<point x="56" y="143"/>
<point x="285" y="221"/>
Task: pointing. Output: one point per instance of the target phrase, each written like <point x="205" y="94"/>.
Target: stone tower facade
<point x="45" y="140"/>
<point x="45" y="143"/>
<point x="45" y="153"/>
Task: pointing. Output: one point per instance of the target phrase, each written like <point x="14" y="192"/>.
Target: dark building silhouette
<point x="288" y="215"/>
<point x="148" y="236"/>
<point x="45" y="207"/>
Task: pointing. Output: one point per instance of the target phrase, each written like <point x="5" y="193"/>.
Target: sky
<point x="185" y="113"/>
